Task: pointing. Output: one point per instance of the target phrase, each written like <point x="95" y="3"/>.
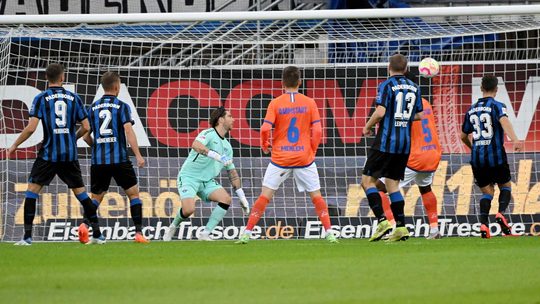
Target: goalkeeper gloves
<point x="224" y="159"/>
<point x="243" y="200"/>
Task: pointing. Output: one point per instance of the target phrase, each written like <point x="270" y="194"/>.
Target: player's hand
<point x="367" y="131"/>
<point x="266" y="148"/>
<point x="518" y="145"/>
<point x="140" y="162"/>
<point x="10" y="151"/>
<point x="245" y="205"/>
<point x="243" y="201"/>
<point x="225" y="160"/>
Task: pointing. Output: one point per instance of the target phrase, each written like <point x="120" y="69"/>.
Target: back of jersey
<point x="59" y="110"/>
<point x="107" y="118"/>
<point x="425" y="147"/>
<point x="482" y="120"/>
<point x="402" y="100"/>
<point x="292" y="115"/>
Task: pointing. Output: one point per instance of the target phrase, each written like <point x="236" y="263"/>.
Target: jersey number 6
<point x="293" y="134"/>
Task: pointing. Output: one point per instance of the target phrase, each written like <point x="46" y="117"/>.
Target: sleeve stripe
<point x="315" y="121"/>
<point x="268" y="122"/>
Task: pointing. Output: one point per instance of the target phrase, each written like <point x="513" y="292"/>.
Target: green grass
<point x="451" y="270"/>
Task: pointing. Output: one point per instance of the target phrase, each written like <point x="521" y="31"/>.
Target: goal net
<point x="176" y="68"/>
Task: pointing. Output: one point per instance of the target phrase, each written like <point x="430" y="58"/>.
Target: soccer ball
<point x="428" y="67"/>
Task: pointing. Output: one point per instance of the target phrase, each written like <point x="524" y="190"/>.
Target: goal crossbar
<point x="275" y="15"/>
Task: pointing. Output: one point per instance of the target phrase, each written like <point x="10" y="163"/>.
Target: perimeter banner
<point x="291" y="228"/>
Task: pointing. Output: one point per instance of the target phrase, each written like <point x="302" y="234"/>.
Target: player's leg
<point x="223" y="199"/>
<point x="307" y="179"/>
<point x="187" y="209"/>
<point x="100" y="178"/>
<point x="430" y="204"/>
<point x="135" y="208"/>
<point x="485" y="206"/>
<point x="505" y="187"/>
<point x="125" y="177"/>
<point x="70" y="173"/>
<point x="423" y="181"/>
<point x="397" y="204"/>
<point x="31" y="196"/>
<point x="385" y="201"/>
<point x="41" y="175"/>
<point x="273" y="178"/>
<point x="483" y="179"/>
<point x="187" y="188"/>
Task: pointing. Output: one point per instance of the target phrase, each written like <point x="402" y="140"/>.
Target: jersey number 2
<point x="107" y="117"/>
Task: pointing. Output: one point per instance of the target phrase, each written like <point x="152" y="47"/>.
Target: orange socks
<point x="322" y="211"/>
<point x="257" y="211"/>
<point x="386" y="207"/>
<point x="430" y="203"/>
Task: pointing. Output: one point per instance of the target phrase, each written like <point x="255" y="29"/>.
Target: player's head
<point x="291" y="77"/>
<point x="489" y="84"/>
<point x="55" y="73"/>
<point x="110" y="81"/>
<point x="397" y="64"/>
<point x="221" y="117"/>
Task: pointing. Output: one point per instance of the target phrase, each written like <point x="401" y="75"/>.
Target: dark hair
<point x="109" y="79"/>
<point x="216" y="115"/>
<point x="398" y="63"/>
<point x="54" y="72"/>
<point x="290" y="77"/>
<point x="489" y="83"/>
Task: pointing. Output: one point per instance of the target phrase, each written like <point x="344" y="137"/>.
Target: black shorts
<point x="100" y="176"/>
<point x="381" y="164"/>
<point x="484" y="176"/>
<point x="44" y="171"/>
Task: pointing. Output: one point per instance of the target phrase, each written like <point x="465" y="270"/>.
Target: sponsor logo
<point x="285" y="228"/>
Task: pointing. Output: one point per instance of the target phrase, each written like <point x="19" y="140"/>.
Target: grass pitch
<point x="451" y="270"/>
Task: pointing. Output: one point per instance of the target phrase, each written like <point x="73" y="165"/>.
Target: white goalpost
<point x="177" y="67"/>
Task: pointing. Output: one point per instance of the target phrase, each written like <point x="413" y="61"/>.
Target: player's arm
<point x="466" y="129"/>
<point x="266" y="128"/>
<point x="83" y="129"/>
<point x="132" y="140"/>
<point x="316" y="135"/>
<point x="509" y="130"/>
<point x="234" y="178"/>
<point x="200" y="148"/>
<point x="316" y="128"/>
<point x="419" y="107"/>
<point x="466" y="140"/>
<point x="88" y="138"/>
<point x="25" y="134"/>
<point x="374" y="119"/>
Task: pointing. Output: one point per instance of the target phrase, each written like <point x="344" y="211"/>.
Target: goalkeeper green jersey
<point x="201" y="167"/>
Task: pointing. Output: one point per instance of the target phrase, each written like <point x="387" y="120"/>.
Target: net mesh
<point x="174" y="74"/>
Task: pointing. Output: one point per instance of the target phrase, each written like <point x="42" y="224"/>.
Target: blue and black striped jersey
<point x="482" y="120"/>
<point x="59" y="110"/>
<point x="402" y="100"/>
<point x="107" y="118"/>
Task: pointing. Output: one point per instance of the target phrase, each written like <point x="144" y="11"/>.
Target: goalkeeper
<point x="209" y="154"/>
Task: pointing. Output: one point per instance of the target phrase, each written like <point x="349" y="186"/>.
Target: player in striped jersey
<point x="398" y="103"/>
<point x="111" y="124"/>
<point x="296" y="137"/>
<point x="59" y="110"/>
<point x="423" y="162"/>
<point x="487" y="121"/>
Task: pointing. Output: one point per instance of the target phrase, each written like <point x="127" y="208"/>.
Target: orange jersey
<point x="292" y="116"/>
<point x="425" y="148"/>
